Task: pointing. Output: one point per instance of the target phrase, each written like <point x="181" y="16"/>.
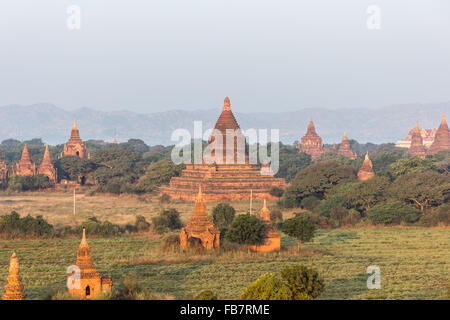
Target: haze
<point x="150" y="56"/>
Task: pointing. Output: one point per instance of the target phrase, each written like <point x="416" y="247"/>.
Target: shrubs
<point x="298" y="283"/>
<point x="168" y="219"/>
<point x="305" y="283"/>
<point x="267" y="287"/>
<point x="393" y="212"/>
<point x="28" y="183"/>
<point x="310" y="202"/>
<point x="300" y="228"/>
<point x="205" y="295"/>
<point x="246" y="229"/>
<point x="223" y="215"/>
<point x="12" y="226"/>
<point x="170" y="241"/>
<point x="141" y="224"/>
<point x="439" y="216"/>
<point x="276" y="192"/>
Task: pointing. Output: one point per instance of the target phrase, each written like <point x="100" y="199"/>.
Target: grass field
<point x="414" y="261"/>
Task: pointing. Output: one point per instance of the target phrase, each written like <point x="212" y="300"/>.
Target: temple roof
<point x="46" y="160"/>
<point x="264" y="214"/>
<point x="84" y="257"/>
<point x="226" y="119"/>
<point x="25" y="155"/>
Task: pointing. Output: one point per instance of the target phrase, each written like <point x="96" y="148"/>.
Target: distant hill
<point x="53" y="124"/>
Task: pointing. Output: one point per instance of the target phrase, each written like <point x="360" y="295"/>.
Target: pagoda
<point x="14" y="287"/>
<point x="3" y="172"/>
<point x="85" y="281"/>
<point x="345" y="150"/>
<point x="272" y="240"/>
<point x="366" y="170"/>
<point x="75" y="146"/>
<point x="225" y="173"/>
<point x="47" y="168"/>
<point x="311" y="143"/>
<point x="441" y="139"/>
<point x="417" y="149"/>
<point x="25" y="167"/>
<point x="200" y="226"/>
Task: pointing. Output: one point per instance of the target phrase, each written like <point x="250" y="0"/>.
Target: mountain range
<point x="376" y="125"/>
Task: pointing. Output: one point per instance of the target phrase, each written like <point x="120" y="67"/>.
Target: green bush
<point x="168" y="219"/>
<point x="12" y="226"/>
<point x="170" y="241"/>
<point x="223" y="215"/>
<point x="206" y="295"/>
<point x="338" y="215"/>
<point x="141" y="224"/>
<point x="276" y="192"/>
<point x="95" y="227"/>
<point x="246" y="229"/>
<point x="393" y="212"/>
<point x="300" y="228"/>
<point x="28" y="183"/>
<point x="267" y="287"/>
<point x="310" y="202"/>
<point x="352" y="218"/>
<point x="304" y="282"/>
<point x="439" y="216"/>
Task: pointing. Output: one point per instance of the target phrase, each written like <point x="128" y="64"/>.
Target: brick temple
<point x="25" y="167"/>
<point x="47" y="168"/>
<point x="366" y="170"/>
<point x="200" y="227"/>
<point x="272" y="240"/>
<point x="417" y="148"/>
<point x="229" y="180"/>
<point x="88" y="283"/>
<point x="344" y="148"/>
<point x="75" y="146"/>
<point x="14" y="287"/>
<point x="3" y="172"/>
<point x="311" y="143"/>
<point x="441" y="139"/>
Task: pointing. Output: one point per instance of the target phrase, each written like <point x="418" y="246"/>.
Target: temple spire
<point x="74" y="124"/>
<point x="14" y="287"/>
<point x="226" y="104"/>
<point x="345" y="136"/>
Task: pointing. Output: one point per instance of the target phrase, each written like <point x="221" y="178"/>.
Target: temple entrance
<point x="78" y="153"/>
<point x="195" y="243"/>
<point x="88" y="291"/>
<point x="82" y="180"/>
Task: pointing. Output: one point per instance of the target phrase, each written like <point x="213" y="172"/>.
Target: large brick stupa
<point x="311" y="143"/>
<point x="230" y="179"/>
<point x="441" y="139"/>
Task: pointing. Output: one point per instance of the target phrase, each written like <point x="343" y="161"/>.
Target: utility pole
<point x="74" y="204"/>
<point x="251" y="198"/>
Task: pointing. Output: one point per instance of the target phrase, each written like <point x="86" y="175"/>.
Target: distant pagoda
<point x="88" y="283"/>
<point x="3" y="172"/>
<point x="14" y="287"/>
<point x="441" y="139"/>
<point x="75" y="146"/>
<point x="200" y="226"/>
<point x="311" y="143"/>
<point x="366" y="170"/>
<point x="25" y="167"/>
<point x="417" y="149"/>
<point x="47" y="168"/>
<point x="234" y="178"/>
<point x="272" y="240"/>
<point x="344" y="148"/>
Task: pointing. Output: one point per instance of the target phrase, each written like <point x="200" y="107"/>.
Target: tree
<point x="206" y="295"/>
<point x="303" y="281"/>
<point x="383" y="159"/>
<point x="276" y="192"/>
<point x="291" y="162"/>
<point x="338" y="215"/>
<point x="319" y="180"/>
<point x="246" y="229"/>
<point x="365" y="194"/>
<point x="167" y="219"/>
<point x="300" y="228"/>
<point x="71" y="167"/>
<point x="412" y="165"/>
<point x="393" y="212"/>
<point x="159" y="173"/>
<point x="28" y="183"/>
<point x="267" y="287"/>
<point x="424" y="190"/>
<point x="223" y="215"/>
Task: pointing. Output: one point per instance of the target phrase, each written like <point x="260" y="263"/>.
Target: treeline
<point x="404" y="190"/>
<point x="12" y="226"/>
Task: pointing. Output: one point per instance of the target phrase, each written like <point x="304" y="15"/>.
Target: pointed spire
<point x="200" y="194"/>
<point x="345" y="136"/>
<point x="25" y="153"/>
<point x="74" y="124"/>
<point x="443" y="119"/>
<point x="46" y="159"/>
<point x="264" y="214"/>
<point x="416" y="127"/>
<point x="14" y="287"/>
<point x="367" y="156"/>
<point x="83" y="239"/>
<point x="226" y="104"/>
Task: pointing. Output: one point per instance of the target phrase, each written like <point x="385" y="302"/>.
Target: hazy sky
<point x="157" y="55"/>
